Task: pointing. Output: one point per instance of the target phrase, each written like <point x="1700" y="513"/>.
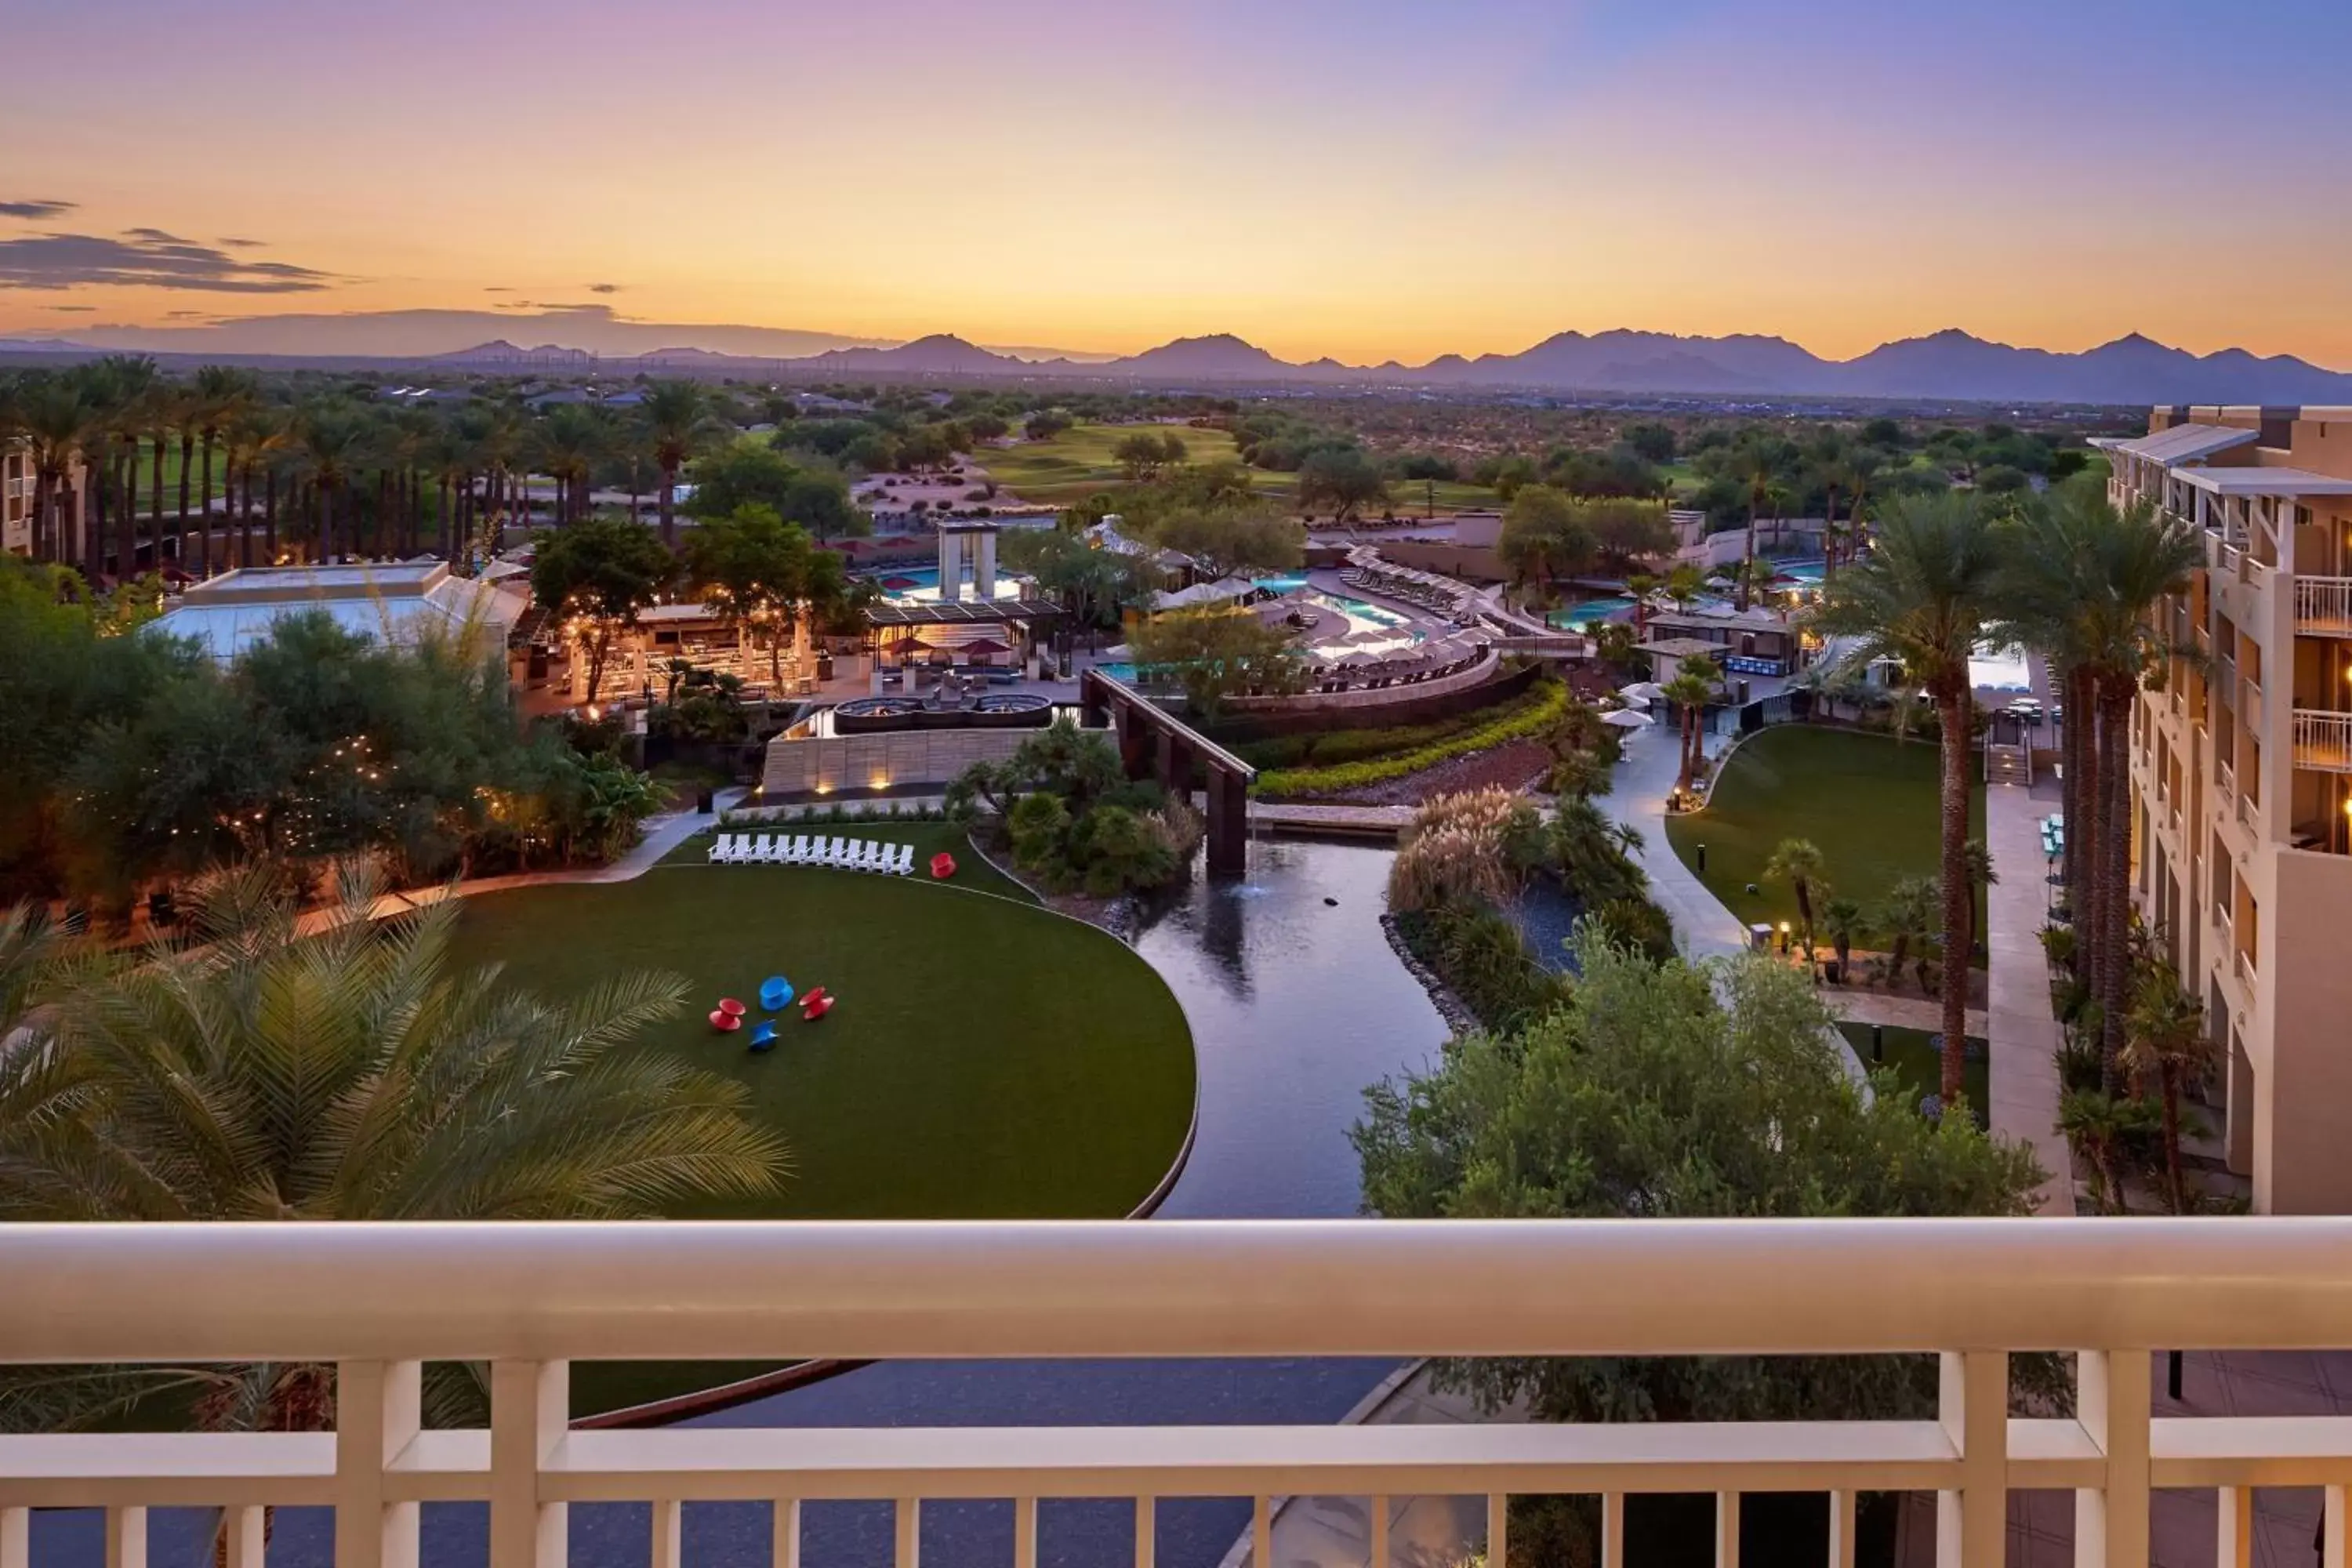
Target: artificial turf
<point x="1911" y="1056"/>
<point x="986" y="1059"/>
<point x="1867" y="802"/>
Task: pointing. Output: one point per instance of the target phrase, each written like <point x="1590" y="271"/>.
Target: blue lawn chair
<point x="775" y="994"/>
<point x="764" y="1036"/>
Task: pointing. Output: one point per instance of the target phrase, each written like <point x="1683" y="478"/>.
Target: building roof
<point x="1682" y="647"/>
<point x="403" y="603"/>
<point x="959" y="611"/>
<point x="2268" y="482"/>
<point x="1754" y="618"/>
<point x="2188" y="443"/>
<point x="1224" y="591"/>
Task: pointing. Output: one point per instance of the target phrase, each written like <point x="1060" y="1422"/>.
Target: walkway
<point x="2023" y="1036"/>
<point x="1637" y="798"/>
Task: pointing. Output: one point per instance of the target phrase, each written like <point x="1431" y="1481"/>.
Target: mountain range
<point x="1952" y="365"/>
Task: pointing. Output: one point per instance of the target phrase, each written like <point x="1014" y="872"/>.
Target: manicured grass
<point x="1078" y="463"/>
<point x="1867" y="802"/>
<point x="1918" y="1066"/>
<point x="987" y="1059"/>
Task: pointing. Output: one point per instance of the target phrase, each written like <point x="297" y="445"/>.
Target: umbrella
<point x="1641" y="692"/>
<point x="898" y="584"/>
<point x="909" y="644"/>
<point x="1633" y="701"/>
<point x="985" y="645"/>
<point x="1626" y="719"/>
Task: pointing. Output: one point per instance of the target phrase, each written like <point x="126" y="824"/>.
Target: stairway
<point x="2009" y="765"/>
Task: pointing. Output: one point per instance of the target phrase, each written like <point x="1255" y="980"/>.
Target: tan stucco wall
<point x="2302" y="1164"/>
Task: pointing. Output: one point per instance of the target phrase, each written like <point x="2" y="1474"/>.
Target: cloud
<point x="70" y="309"/>
<point x="603" y="288"/>
<point x="172" y="315"/>
<point x="145" y="258"/>
<point x="497" y="288"/>
<point x="234" y="243"/>
<point x="37" y="211"/>
<point x="603" y="313"/>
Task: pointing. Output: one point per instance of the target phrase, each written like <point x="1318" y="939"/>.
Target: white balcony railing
<point x="528" y="1300"/>
<point x="2245" y="964"/>
<point x="2323" y="742"/>
<point x="2322" y="607"/>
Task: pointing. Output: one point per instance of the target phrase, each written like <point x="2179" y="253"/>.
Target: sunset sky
<point x="1358" y="178"/>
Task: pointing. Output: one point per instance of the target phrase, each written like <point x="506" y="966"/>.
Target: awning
<point x="2188" y="443"/>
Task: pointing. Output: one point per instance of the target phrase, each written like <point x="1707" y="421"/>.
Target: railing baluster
<point x="1024" y="1533"/>
<point x="669" y="1518"/>
<point x="379" y="1407"/>
<point x="1727" y="1530"/>
<point x="2331" y="1530"/>
<point x="1261" y="1532"/>
<point x="1841" y="1529"/>
<point x="1972" y="1522"/>
<point x="247" y="1534"/>
<point x="1376" y="1554"/>
<point x="531" y="1404"/>
<point x="126" y="1538"/>
<point x="2235" y="1547"/>
<point x="1612" y="1530"/>
<point x="2111" y="1399"/>
<point x="1498" y="1528"/>
<point x="1147" y="1532"/>
<point x="910" y="1521"/>
<point x="17" y="1538"/>
<point x="786" y="1551"/>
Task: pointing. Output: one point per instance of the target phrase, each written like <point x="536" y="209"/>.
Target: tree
<point x="2097" y="1125"/>
<point x="274" y="1071"/>
<point x="1909" y="914"/>
<point x="1798" y="862"/>
<point x="1092" y="585"/>
<point x="749" y="473"/>
<point x="1230" y="538"/>
<point x="679" y="422"/>
<point x="1927" y="597"/>
<point x="598" y="574"/>
<point x="762" y="576"/>
<point x="1341" y="480"/>
<point x="2164" y="1047"/>
<point x="1654" y="442"/>
<point x="1650" y="1095"/>
<point x="1755" y="465"/>
<point x="1543" y="537"/>
<point x="1219" y="653"/>
<point x="1693" y="687"/>
<point x="1145" y="454"/>
<point x="1841" y="918"/>
<point x="1627" y="529"/>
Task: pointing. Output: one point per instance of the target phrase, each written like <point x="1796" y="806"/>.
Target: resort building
<point x="403" y="603"/>
<point x="2242" y="775"/>
<point x="20" y="488"/>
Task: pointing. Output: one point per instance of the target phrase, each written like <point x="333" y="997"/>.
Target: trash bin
<point x="706" y="800"/>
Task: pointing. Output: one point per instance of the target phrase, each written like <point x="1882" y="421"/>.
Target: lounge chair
<point x="876" y="853"/>
<point x="861" y="854"/>
<point x="905" y="859"/>
<point x="722" y="849"/>
<point x="796" y="853"/>
<point x="833" y="852"/>
<point x="764" y="1036"/>
<point x="775" y="994"/>
<point x="759" y="850"/>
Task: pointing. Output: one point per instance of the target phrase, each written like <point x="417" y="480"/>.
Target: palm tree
<point x="1798" y="862"/>
<point x="1841" y="918"/>
<point x="2166" y="1046"/>
<point x="351" y="1072"/>
<point x="1644" y="589"/>
<point x="2098" y="1124"/>
<point x="56" y="418"/>
<point x="565" y="446"/>
<point x="222" y="395"/>
<point x="2090" y="580"/>
<point x="1909" y="915"/>
<point x="1983" y="880"/>
<point x="1689" y="691"/>
<point x="1684" y="585"/>
<point x="677" y="419"/>
<point x="329" y="444"/>
<point x="1924" y="596"/>
<point x="1756" y="466"/>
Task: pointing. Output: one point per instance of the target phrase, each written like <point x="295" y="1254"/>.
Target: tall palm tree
<point x="221" y="395"/>
<point x="1684" y="585"/>
<point x="330" y="446"/>
<point x="1926" y="596"/>
<point x="566" y="447"/>
<point x="2165" y="1047"/>
<point x="349" y="1072"/>
<point x="676" y="419"/>
<point x="1756" y="466"/>
<point x="1689" y="691"/>
<point x="123" y="385"/>
<point x="1798" y="862"/>
<point x="55" y="417"/>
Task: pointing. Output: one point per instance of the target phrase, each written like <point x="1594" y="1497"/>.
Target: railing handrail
<point x="859" y="1290"/>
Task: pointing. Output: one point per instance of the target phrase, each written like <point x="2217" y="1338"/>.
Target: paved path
<point x="2023" y="1036"/>
<point x="1637" y="798"/>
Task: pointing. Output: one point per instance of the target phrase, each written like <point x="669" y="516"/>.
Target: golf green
<point x="986" y="1057"/>
<point x="1867" y="802"/>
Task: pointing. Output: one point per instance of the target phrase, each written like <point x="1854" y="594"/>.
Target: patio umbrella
<point x="1633" y="701"/>
<point x="985" y="645"/>
<point x="1641" y="692"/>
<point x="898" y="584"/>
<point x="1626" y="719"/>
<point x="905" y="645"/>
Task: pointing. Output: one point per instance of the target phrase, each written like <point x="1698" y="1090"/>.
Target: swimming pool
<point x="920" y="583"/>
<point x="1576" y="617"/>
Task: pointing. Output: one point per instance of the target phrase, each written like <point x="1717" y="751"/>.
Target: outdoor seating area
<point x="1411" y="666"/>
<point x="1366" y="572"/>
<point x="813" y="849"/>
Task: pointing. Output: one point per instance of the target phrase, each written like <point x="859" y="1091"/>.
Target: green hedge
<point x="1330" y="747"/>
<point x="1541" y="712"/>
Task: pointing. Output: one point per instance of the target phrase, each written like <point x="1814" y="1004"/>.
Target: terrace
<point x="532" y="1300"/>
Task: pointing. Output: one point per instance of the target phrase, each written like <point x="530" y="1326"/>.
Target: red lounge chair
<point x="818" y="1006"/>
<point x="815" y="994"/>
<point x="730" y="1007"/>
<point x="943" y="866"/>
<point x="724" y="1021"/>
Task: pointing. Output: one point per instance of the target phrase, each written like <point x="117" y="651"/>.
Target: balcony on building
<point x="524" y="1302"/>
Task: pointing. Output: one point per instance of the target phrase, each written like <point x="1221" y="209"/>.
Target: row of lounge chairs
<point x="813" y="849"/>
<point x="1450" y="600"/>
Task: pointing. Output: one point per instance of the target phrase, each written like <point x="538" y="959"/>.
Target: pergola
<point x="946" y="625"/>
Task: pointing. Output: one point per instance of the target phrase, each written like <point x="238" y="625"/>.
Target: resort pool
<point x="919" y="584"/>
<point x="1576" y="617"/>
<point x="1999" y="669"/>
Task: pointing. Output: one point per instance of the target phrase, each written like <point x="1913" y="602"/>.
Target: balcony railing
<point x="528" y="1300"/>
<point x="2322" y="607"/>
<point x="2245" y="964"/>
<point x="2323" y="742"/>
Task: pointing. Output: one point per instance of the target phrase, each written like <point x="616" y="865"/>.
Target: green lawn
<point x="1867" y="802"/>
<point x="987" y="1059"/>
<point x="1078" y="463"/>
<point x="1916" y="1065"/>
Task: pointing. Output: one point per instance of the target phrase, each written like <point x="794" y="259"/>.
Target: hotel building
<point x="2241" y="777"/>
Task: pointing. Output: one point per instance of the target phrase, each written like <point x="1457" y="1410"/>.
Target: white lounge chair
<point x="845" y="852"/>
<point x="854" y="859"/>
<point x="798" y="853"/>
<point x="903" y="861"/>
<point x="766" y="850"/>
<point x="735" y="848"/>
<point x="722" y="848"/>
<point x="824" y="851"/>
<point x="870" y="859"/>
